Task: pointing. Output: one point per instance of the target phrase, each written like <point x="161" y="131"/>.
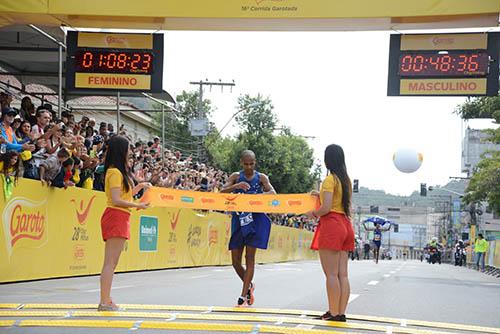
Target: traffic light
<point x="423" y="189"/>
<point x="355" y="186"/>
<point x="396" y="227"/>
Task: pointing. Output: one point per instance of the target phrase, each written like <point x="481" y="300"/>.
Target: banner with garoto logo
<point x="49" y="232"/>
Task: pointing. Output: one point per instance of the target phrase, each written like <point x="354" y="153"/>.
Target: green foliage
<point x="287" y="159"/>
<point x="481" y="107"/>
<point x="484" y="184"/>
<point x="177" y="133"/>
<point x="188" y="105"/>
<point x="258" y="119"/>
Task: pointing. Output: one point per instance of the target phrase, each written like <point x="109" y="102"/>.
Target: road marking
<point x="389" y="330"/>
<point x="136" y="325"/>
<point x="373" y="283"/>
<point x="387" y="275"/>
<point x="255" y="329"/>
<point x="96" y="323"/>
<point x="393" y="271"/>
<point x="352" y="297"/>
<point x="199" y="276"/>
<point x="395" y="321"/>
<point x="7" y="323"/>
<point x="210" y="309"/>
<point x="305" y="326"/>
<point x="2" y="306"/>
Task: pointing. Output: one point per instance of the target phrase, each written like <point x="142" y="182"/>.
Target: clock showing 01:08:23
<point x="450" y="64"/>
<point x="126" y="62"/>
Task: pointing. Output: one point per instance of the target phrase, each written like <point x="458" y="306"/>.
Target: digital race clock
<point x="456" y="64"/>
<point x="107" y="63"/>
<point x="114" y="61"/>
<point x="450" y="64"/>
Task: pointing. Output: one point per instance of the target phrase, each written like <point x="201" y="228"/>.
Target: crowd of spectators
<point x="63" y="152"/>
<point x="290" y="220"/>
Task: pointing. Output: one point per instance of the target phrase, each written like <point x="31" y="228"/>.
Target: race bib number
<point x="246" y="218"/>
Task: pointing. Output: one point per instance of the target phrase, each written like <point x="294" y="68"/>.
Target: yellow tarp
<point x="49" y="232"/>
<point x="182" y="14"/>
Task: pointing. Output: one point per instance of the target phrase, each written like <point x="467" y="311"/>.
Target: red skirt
<point x="115" y="223"/>
<point x="334" y="232"/>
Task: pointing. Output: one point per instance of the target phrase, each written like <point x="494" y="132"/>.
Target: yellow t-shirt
<point x="114" y="179"/>
<point x="332" y="184"/>
<point x="9" y="170"/>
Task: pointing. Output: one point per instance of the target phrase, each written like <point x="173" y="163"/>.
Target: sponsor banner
<point x="118" y="41"/>
<point x="444" y="42"/>
<point x="48" y="232"/>
<point x="25" y="223"/>
<point x="112" y="81"/>
<point x="290" y="203"/>
<point x="148" y="234"/>
<point x="133" y="13"/>
<point x="465" y="86"/>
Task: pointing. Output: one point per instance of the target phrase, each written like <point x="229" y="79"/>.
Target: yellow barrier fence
<point x="50" y="232"/>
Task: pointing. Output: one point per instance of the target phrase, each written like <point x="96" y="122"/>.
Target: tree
<point x="484" y="182"/>
<point x="177" y="133"/>
<point x="286" y="158"/>
<point x="258" y="119"/>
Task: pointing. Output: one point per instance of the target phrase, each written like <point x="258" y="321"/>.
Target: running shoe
<point x="242" y="303"/>
<point x="339" y="318"/>
<point x="250" y="296"/>
<point x="329" y="317"/>
<point x="325" y="316"/>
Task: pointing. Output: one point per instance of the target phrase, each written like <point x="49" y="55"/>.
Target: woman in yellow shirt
<point x="115" y="221"/>
<point x="334" y="236"/>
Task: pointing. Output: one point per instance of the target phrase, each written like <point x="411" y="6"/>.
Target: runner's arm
<point x="231" y="184"/>
<point x="268" y="187"/>
<point x="367" y="228"/>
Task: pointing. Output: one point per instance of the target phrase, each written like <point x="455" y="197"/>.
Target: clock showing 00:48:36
<point x="456" y="64"/>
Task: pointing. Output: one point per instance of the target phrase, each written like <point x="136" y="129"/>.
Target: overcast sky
<point x="331" y="85"/>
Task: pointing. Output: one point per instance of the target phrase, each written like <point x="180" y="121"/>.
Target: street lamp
<point x="251" y="105"/>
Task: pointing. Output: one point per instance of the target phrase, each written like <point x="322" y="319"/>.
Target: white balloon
<point x="407" y="160"/>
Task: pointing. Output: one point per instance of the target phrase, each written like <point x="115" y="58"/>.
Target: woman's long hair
<point x="335" y="163"/>
<point x="117" y="157"/>
<point x="6" y="158"/>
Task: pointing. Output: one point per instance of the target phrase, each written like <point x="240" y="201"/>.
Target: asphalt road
<point x="397" y="289"/>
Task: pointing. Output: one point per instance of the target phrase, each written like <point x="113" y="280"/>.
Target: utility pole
<point x="200" y="113"/>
